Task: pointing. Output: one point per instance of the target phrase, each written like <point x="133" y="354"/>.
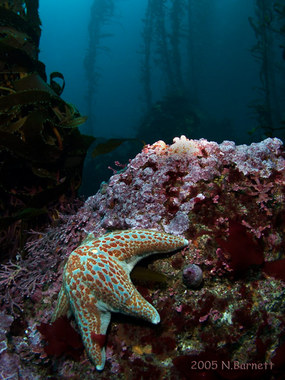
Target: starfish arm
<point x="62" y="306"/>
<point x="92" y="323"/>
<point x="130" y="246"/>
<point x="137" y="306"/>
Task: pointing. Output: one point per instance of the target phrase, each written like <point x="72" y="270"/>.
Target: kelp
<point x="41" y="148"/>
<point x="14" y="55"/>
<point x="269" y="20"/>
<point x="54" y="85"/>
<point x="10" y="18"/>
<point x="41" y="153"/>
<point x="29" y="97"/>
<point x="110" y="145"/>
<point x="100" y="13"/>
<point x="164" y="32"/>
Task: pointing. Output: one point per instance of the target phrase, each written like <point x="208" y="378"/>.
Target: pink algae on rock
<point x="228" y="201"/>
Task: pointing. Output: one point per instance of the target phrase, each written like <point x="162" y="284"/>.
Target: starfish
<point x="96" y="282"/>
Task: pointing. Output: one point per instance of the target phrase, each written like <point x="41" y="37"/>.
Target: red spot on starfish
<point x="98" y="338"/>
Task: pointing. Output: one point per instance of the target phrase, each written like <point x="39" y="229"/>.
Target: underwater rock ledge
<point x="228" y="201"/>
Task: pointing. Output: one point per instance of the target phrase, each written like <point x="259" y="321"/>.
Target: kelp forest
<point x="168" y="50"/>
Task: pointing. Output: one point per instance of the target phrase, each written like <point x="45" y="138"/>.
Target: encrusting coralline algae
<point x="228" y="201"/>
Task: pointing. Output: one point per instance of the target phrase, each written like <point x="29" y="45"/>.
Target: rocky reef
<point x="228" y="201"/>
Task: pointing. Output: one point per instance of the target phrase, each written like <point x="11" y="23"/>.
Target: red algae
<point x="61" y="339"/>
<point x="275" y="269"/>
<point x="243" y="250"/>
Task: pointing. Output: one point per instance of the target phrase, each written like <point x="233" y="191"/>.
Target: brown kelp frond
<point x="41" y="148"/>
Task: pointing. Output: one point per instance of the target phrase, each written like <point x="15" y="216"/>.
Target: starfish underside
<point x="96" y="282"/>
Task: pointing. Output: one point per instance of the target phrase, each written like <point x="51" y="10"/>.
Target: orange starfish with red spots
<point x="96" y="282"/>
